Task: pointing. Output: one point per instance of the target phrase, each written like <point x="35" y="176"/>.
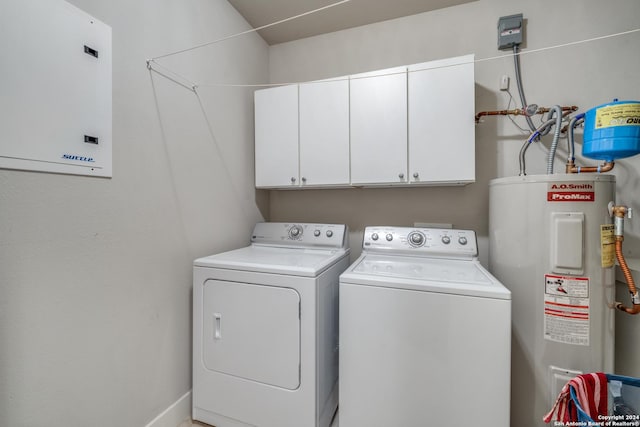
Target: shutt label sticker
<point x="618" y="115"/>
<point x="566" y="309"/>
<point x="607" y="245"/>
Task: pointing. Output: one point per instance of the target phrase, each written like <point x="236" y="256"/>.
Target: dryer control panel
<point x="300" y="234"/>
<point x="421" y="241"/>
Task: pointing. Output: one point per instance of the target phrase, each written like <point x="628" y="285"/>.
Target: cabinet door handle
<point x="293" y="180"/>
<point x="401" y="175"/>
<point x="217" y="327"/>
<point x="304" y="179"/>
<point x="416" y="175"/>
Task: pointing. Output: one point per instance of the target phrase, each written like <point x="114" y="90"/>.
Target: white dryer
<point x="425" y="333"/>
<point x="265" y="328"/>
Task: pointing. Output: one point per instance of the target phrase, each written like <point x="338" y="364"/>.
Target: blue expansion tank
<point x="612" y="131"/>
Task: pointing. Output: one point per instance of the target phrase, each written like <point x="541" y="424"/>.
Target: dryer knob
<point x="374" y="236"/>
<point x="295" y="232"/>
<point x="389" y="237"/>
<point x="446" y="240"/>
<point x="329" y="233"/>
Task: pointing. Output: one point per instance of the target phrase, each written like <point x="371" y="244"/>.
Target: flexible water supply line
<point x="630" y="283"/>
<point x="575" y="121"/>
<point x="516" y="61"/>
<point x="619" y="213"/>
<point x="536" y="134"/>
<point x="556" y="136"/>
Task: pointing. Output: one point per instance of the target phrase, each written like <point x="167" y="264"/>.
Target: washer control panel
<point x="421" y="241"/>
<point x="300" y="234"/>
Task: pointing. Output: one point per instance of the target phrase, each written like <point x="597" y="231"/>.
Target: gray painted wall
<point x="95" y="274"/>
<point x="585" y="75"/>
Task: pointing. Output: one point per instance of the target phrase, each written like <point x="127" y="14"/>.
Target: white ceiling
<point x="347" y="15"/>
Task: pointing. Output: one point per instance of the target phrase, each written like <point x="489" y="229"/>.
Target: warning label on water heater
<point x="607" y="245"/>
<point x="566" y="309"/>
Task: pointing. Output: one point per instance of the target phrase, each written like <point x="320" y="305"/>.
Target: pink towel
<point x="591" y="392"/>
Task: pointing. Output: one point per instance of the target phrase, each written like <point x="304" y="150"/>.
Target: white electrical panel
<point x="55" y="86"/>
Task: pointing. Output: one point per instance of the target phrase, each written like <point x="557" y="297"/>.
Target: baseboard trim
<point x="176" y="413"/>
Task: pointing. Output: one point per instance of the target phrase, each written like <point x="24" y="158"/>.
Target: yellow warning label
<point x="608" y="245"/>
<point x="618" y="115"/>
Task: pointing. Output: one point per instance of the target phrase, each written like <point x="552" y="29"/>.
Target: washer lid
<point x="267" y="259"/>
<point x="462" y="277"/>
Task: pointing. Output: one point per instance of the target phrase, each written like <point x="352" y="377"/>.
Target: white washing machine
<point x="265" y="328"/>
<point x="425" y="333"/>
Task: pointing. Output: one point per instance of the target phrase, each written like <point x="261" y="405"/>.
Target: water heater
<point x="551" y="244"/>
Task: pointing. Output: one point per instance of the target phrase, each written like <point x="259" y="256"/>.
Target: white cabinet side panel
<point x="53" y="92"/>
<point x="324" y="133"/>
<point x="276" y="136"/>
<point x="441" y="121"/>
<point x="379" y="127"/>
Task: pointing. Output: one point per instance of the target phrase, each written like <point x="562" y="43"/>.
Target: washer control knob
<point x="374" y="236"/>
<point x="295" y="232"/>
<point x="446" y="240"/>
<point x="316" y="233"/>
<point x="416" y="239"/>
<point x="329" y="233"/>
<point x="389" y="237"/>
<point x="462" y="240"/>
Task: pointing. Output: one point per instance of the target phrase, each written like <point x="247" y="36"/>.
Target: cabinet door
<point x="276" y="136"/>
<point x="379" y="127"/>
<point x="441" y="121"/>
<point x="324" y="133"/>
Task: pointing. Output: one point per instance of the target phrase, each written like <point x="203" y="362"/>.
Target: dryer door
<point x="252" y="332"/>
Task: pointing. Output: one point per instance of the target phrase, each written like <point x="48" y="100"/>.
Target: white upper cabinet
<point x="401" y="126"/>
<point x="324" y="133"/>
<point x="441" y="121"/>
<point x="379" y="127"/>
<point x="276" y="137"/>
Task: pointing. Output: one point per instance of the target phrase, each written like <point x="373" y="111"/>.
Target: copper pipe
<point x="517" y="112"/>
<point x="629" y="278"/>
<point x="605" y="167"/>
<point x="565" y="110"/>
<point x="619" y="212"/>
<point x="520" y="112"/>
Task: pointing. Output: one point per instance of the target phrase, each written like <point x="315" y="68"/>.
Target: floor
<point x="190" y="423"/>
